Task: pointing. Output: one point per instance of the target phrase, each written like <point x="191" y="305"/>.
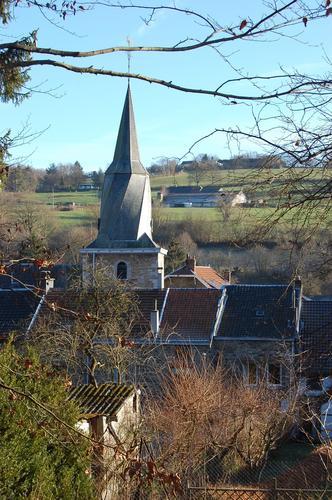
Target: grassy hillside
<point x="256" y="184"/>
<point x="78" y="198"/>
<point x="267" y="184"/>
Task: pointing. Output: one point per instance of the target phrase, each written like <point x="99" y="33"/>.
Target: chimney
<point x="46" y="281"/>
<point x="191" y="262"/>
<point x="154" y="319"/>
<point x="49" y="283"/>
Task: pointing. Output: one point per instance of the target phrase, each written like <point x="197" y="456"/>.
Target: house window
<point x="260" y="311"/>
<point x="251" y="373"/>
<point x="274" y="373"/>
<point x="121" y="271"/>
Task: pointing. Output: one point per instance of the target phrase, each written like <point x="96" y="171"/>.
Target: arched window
<point x="121" y="271"/>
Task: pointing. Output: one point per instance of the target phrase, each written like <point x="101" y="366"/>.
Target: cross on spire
<point x="129" y="58"/>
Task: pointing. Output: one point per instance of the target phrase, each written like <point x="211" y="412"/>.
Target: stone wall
<point x="145" y="270"/>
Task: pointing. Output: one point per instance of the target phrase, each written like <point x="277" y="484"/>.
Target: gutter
<point x="258" y="339"/>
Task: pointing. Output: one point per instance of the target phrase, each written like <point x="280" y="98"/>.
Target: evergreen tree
<point x="175" y="257"/>
<point x="41" y="456"/>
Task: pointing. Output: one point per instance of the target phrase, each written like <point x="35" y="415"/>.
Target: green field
<point x="78" y="198"/>
<point x="267" y="184"/>
<point x="256" y="184"/>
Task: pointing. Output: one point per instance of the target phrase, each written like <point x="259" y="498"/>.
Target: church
<point x="124" y="243"/>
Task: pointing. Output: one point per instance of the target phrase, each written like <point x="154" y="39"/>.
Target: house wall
<point x="124" y="426"/>
<point x="234" y="354"/>
<point x="237" y="353"/>
<point x="106" y="467"/>
<point x="167" y="357"/>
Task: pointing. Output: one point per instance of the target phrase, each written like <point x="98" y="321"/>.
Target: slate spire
<point x="125" y="213"/>
<point x="126" y="156"/>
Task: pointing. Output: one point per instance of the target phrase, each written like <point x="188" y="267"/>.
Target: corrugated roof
<point x="105" y="399"/>
<point x="262" y="311"/>
<point x="316" y="336"/>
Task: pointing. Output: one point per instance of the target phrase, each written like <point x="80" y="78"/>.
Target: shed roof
<point x="184" y="189"/>
<point x="106" y="399"/>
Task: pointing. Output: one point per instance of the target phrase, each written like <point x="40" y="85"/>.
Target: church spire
<point x="125" y="212"/>
<point x="124" y="242"/>
<point x="126" y="156"/>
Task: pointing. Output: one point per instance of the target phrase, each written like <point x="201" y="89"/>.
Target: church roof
<point x="126" y="158"/>
<point x="125" y="213"/>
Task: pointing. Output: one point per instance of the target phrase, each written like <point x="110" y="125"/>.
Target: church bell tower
<point x="124" y="242"/>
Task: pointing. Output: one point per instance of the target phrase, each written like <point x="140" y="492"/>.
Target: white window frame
<point x="246" y="372"/>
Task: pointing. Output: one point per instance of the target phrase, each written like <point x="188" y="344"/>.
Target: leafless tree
<point x="86" y="330"/>
<point x="207" y="418"/>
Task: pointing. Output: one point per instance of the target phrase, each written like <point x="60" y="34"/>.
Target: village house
<point x="192" y="196"/>
<point x="197" y="196"/>
<point x="190" y="275"/>
<point x="316" y="360"/>
<point x="236" y="320"/>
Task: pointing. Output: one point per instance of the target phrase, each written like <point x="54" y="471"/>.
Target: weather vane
<point x="129" y="58"/>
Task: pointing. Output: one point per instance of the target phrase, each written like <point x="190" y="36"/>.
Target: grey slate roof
<point x="316" y="336"/>
<point x="106" y="399"/>
<point x="125" y="213"/>
<point x="184" y="189"/>
<point x="126" y="158"/>
<point x="16" y="310"/>
<point x="261" y="311"/>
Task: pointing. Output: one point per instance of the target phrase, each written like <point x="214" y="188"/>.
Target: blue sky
<point x="81" y="123"/>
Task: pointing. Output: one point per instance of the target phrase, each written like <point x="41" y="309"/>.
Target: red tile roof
<point x="190" y="313"/>
<point x="207" y="274"/>
<point x="210" y="276"/>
